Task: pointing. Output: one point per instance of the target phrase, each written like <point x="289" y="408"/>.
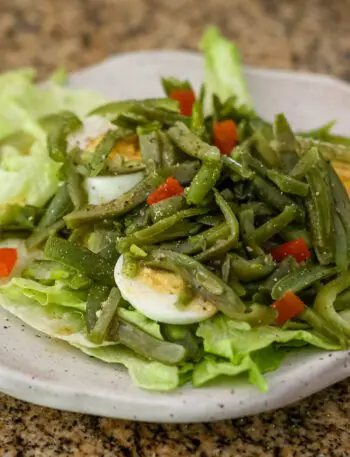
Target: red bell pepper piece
<point x="8" y="258"/>
<point x="296" y="248"/>
<point x="288" y="307"/>
<point x="170" y="188"/>
<point x="225" y="136"/>
<point x="186" y="99"/>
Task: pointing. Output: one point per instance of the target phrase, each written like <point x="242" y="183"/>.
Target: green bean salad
<point x="183" y="237"/>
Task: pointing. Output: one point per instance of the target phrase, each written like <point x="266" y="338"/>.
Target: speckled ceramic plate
<point x="40" y="370"/>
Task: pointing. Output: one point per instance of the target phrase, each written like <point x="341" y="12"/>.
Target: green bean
<point x="275" y="225"/>
<point x="183" y="172"/>
<point x="211" y="220"/>
<point x="320" y="324"/>
<point x="258" y="208"/>
<point x="104" y="148"/>
<point x="251" y="270"/>
<point x="130" y="265"/>
<point x="319" y="207"/>
<point x="287" y="266"/>
<point x="218" y="249"/>
<point x="184" y="336"/>
<point x="75" y="187"/>
<point x="16" y="217"/>
<point x="320" y="133"/>
<point x="260" y="315"/>
<point x="107" y="312"/>
<point x="285" y="142"/>
<point x="188" y="142"/>
<point x="255" y="164"/>
<point x="203" y="240"/>
<point x="342" y="301"/>
<point x="201" y="279"/>
<point x="150" y="150"/>
<point x="229" y="215"/>
<point x="181" y="229"/>
<point x="324" y="303"/>
<point x="203" y="182"/>
<point x="197" y="119"/>
<point x="146" y="345"/>
<point x="168" y="153"/>
<point x="327" y="150"/>
<point x="226" y="269"/>
<point x="262" y="138"/>
<point x="160" y="115"/>
<point x="341" y="202"/>
<point x="166" y="208"/>
<point x="86" y="262"/>
<point x="121" y="205"/>
<point x="238" y="168"/>
<point x="98" y="293"/>
<point x="103" y="242"/>
<point x="341" y="244"/>
<point x="59" y="206"/>
<point x="237" y="287"/>
<point x="149" y="234"/>
<point x="305" y="164"/>
<point x="115" y="108"/>
<point x="57" y="144"/>
<point x="170" y="84"/>
<point x="301" y="279"/>
<point x="130" y="120"/>
<point x="246" y="221"/>
<point x="273" y="196"/>
<point x="287" y="184"/>
<point x="39" y="236"/>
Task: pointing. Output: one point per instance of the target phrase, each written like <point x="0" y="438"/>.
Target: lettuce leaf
<point x="23" y="104"/>
<point x="234" y="340"/>
<point x="45" y="295"/>
<point x="223" y="71"/>
<point x="68" y="324"/>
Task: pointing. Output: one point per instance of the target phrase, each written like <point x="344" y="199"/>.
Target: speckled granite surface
<point x="312" y="35"/>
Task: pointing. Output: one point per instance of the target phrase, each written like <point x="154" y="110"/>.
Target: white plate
<point x="50" y="373"/>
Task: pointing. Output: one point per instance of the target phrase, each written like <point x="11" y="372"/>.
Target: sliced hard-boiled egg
<point x="155" y="293"/>
<point x="103" y="189"/>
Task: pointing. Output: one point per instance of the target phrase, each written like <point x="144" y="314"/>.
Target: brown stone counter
<point x="310" y="35"/>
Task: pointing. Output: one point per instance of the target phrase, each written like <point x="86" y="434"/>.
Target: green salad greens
<point x="183" y="237"/>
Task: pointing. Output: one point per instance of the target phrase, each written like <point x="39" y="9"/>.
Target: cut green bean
<point x="170" y="84"/>
<point x="262" y="138"/>
<point x="57" y="143"/>
<point x="203" y="182"/>
<point x="86" y="262"/>
<point x="168" y="152"/>
<point x="98" y="293"/>
<point x="188" y="142"/>
<point x="302" y="279"/>
<point x="121" y="205"/>
<point x="246" y="221"/>
<point x="166" y="208"/>
<point x="59" y="206"/>
<point x="149" y="234"/>
<point x="287" y="184"/>
<point x="327" y="150"/>
<point x="274" y="197"/>
<point x="150" y="150"/>
<point x="238" y="168"/>
<point x="106" y="314"/>
<point x="229" y="215"/>
<point x="286" y="267"/>
<point x="324" y="303"/>
<point x="39" y="236"/>
<point x="275" y="225"/>
<point x="116" y="108"/>
<point x="146" y="345"/>
<point x="251" y="270"/>
<point x="285" y="142"/>
<point x="341" y="244"/>
<point x="305" y="164"/>
<point x="183" y="172"/>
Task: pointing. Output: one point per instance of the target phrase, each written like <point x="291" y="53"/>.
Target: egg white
<point x="103" y="189"/>
<point x="157" y="305"/>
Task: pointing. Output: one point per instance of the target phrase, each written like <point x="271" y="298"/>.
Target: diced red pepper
<point x="186" y="99"/>
<point x="296" y="248"/>
<point x="171" y="188"/>
<point x="288" y="307"/>
<point x="8" y="258"/>
<point x="225" y="136"/>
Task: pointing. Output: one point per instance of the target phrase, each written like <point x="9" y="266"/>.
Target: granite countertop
<point x="312" y="35"/>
